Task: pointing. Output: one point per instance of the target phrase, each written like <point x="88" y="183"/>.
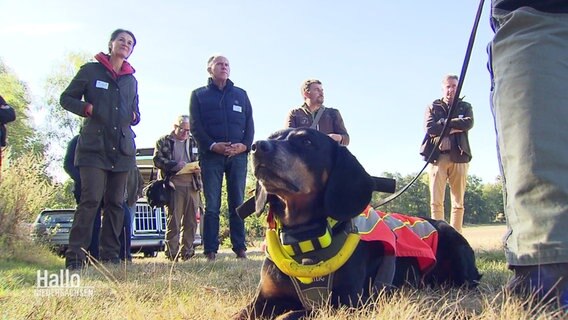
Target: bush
<point x="25" y="190"/>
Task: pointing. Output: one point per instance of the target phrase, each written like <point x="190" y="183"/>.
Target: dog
<point x="319" y="245"/>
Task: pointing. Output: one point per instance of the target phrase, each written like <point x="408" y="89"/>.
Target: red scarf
<point x="104" y="59"/>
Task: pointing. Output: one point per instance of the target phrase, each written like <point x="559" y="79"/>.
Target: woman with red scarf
<point x="105" y="93"/>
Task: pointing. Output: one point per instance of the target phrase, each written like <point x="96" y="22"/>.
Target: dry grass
<point x="153" y="288"/>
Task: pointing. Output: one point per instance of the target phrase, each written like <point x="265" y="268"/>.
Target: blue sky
<point x="381" y="62"/>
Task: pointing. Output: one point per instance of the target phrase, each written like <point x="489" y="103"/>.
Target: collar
<point x="307" y="109"/>
<point x="228" y="85"/>
<point x="125" y="69"/>
<point x="338" y="244"/>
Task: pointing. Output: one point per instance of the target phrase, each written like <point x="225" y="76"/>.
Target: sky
<point x="381" y="62"/>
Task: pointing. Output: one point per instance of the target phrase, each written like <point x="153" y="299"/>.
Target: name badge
<point x="101" y="84"/>
<point x="237" y="108"/>
<point x="194" y="150"/>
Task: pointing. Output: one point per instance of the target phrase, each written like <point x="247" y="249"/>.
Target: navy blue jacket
<point x="220" y="116"/>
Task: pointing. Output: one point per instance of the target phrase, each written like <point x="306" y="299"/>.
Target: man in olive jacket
<point x="450" y="160"/>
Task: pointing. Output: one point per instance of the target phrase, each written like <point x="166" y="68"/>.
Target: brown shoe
<point x="241" y="254"/>
<point x="211" y="256"/>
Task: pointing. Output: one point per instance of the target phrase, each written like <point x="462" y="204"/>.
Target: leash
<point x="452" y="107"/>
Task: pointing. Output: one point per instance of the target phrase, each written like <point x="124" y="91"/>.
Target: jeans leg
<point x="236" y="183"/>
<point x="212" y="170"/>
<point x="126" y="234"/>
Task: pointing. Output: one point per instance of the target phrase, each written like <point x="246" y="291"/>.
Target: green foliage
<point x="21" y="136"/>
<point x="25" y="190"/>
<point x="482" y="201"/>
<point x="60" y="125"/>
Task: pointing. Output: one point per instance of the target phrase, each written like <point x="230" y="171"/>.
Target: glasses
<point x="182" y="130"/>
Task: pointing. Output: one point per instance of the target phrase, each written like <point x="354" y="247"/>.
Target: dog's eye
<point x="306" y="142"/>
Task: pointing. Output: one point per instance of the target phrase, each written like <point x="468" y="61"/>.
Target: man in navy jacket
<point x="222" y="124"/>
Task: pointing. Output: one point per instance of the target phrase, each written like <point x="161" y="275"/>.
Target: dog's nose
<point x="261" y="146"/>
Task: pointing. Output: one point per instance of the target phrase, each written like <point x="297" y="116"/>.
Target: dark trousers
<point x="97" y="184"/>
<point x="213" y="167"/>
<point x="126" y="234"/>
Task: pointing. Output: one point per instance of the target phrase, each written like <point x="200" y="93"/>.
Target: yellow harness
<point x="282" y="255"/>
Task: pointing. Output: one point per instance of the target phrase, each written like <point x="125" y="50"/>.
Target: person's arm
<point x="136" y="112"/>
<point x="339" y="128"/>
<point x="464" y="120"/>
<point x="290" y="121"/>
<point x="249" y="125"/>
<point x="71" y="98"/>
<point x="204" y="141"/>
<point x="162" y="160"/>
<point x="7" y="114"/>
<point x="433" y="124"/>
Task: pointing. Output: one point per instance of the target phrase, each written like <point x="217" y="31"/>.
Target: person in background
<point x="528" y="63"/>
<point x="450" y="162"/>
<point x="172" y="153"/>
<point x="134" y="190"/>
<point x="312" y="114"/>
<point x="73" y="172"/>
<point x="222" y="124"/>
<point x="7" y="114"/>
<point x="105" y="93"/>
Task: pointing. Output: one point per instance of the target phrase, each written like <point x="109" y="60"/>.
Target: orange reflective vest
<point x="403" y="236"/>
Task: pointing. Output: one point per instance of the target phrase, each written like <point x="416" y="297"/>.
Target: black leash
<point x="452" y="107"/>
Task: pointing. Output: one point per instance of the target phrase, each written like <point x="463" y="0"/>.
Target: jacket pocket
<point x="91" y="140"/>
<point x="127" y="144"/>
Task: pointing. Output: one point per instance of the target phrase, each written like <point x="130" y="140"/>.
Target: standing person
<point x="73" y="172"/>
<point x="134" y="190"/>
<point x="172" y="153"/>
<point x="105" y="93"/>
<point x="450" y="161"/>
<point x="529" y="71"/>
<point x="222" y="124"/>
<point x="7" y="114"/>
<point x="313" y="114"/>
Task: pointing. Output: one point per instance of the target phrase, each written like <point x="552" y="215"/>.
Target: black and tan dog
<point x="325" y="244"/>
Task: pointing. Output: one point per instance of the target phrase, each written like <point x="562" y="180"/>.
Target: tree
<point x="414" y="201"/>
<point x="493" y="195"/>
<point x="21" y="136"/>
<point x="60" y="125"/>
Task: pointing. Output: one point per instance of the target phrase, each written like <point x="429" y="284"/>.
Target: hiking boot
<point x="211" y="256"/>
<point x="74" y="265"/>
<point x="241" y="254"/>
<point x="546" y="283"/>
<point x="188" y="256"/>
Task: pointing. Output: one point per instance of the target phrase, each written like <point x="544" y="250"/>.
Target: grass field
<point x="153" y="288"/>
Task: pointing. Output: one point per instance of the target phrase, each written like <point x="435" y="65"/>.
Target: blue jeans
<point x="213" y="167"/>
<point x="126" y="234"/>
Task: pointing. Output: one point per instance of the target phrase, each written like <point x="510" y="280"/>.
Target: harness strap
<point x="316" y="293"/>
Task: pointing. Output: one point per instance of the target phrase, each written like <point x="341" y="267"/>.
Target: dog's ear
<point x="349" y="188"/>
<point x="260" y="195"/>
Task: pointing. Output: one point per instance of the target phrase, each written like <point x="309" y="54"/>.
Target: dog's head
<point x="305" y="176"/>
